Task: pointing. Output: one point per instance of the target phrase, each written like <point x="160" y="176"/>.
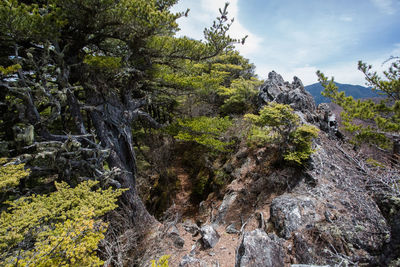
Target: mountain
<point x="357" y="91"/>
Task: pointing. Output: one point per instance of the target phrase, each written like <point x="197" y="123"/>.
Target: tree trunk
<point x="118" y="139"/>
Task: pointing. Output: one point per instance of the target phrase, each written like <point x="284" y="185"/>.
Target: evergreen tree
<point x="76" y="75"/>
<point x="381" y="121"/>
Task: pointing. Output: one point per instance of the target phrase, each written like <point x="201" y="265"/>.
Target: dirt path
<point x="182" y="198"/>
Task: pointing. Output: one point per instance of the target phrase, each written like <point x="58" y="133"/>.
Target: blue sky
<point x="299" y="37"/>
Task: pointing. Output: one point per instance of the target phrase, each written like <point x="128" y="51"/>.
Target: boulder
<point x="290" y="213"/>
<point x="259" y="249"/>
<point x="209" y="236"/>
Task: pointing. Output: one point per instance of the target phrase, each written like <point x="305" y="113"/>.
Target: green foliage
<point x="11" y="174"/>
<point x="9" y="70"/>
<point x="300" y="147"/>
<point x="278" y="123"/>
<point x="279" y="117"/>
<point x="62" y="228"/>
<point x="221" y="178"/>
<point x="206" y="131"/>
<point x="162" y="261"/>
<point x="241" y="96"/>
<point x="103" y="62"/>
<point x="379" y="119"/>
<point x="200" y="184"/>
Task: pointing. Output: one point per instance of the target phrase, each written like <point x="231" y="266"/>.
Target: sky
<point x="299" y="37"/>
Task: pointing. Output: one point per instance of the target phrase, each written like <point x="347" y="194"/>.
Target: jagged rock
<point x="290" y="213"/>
<point x="259" y="249"/>
<point x="189" y="261"/>
<point x="209" y="236"/>
<point x="191" y="227"/>
<point x="327" y="120"/>
<point x="294" y="94"/>
<point x="227" y="202"/>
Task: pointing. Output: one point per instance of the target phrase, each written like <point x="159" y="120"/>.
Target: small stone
<point x="209" y="236"/>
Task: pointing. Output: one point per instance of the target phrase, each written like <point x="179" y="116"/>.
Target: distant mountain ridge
<point x="357" y="91"/>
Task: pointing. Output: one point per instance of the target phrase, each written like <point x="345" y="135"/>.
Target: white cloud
<point x="385" y="6"/>
<point x="204" y="12"/>
<point x="296" y="46"/>
<point x="343" y="72"/>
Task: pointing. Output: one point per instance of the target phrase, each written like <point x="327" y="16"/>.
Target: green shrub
<point x="278" y="124"/>
<point x="162" y="261"/>
<point x="62" y="228"/>
<point x="240" y="96"/>
<point x="205" y="131"/>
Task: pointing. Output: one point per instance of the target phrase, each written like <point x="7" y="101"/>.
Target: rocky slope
<point x="325" y="214"/>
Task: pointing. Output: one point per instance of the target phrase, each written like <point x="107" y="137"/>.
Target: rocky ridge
<point x="325" y="214"/>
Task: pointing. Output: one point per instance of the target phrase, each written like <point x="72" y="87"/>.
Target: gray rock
<point x="259" y="249"/>
<point x="276" y="89"/>
<point x="189" y="261"/>
<point x="227" y="202"/>
<point x="209" y="236"/>
<point x="290" y="213"/>
<point x="191" y="227"/>
<point x="327" y="120"/>
<point x="173" y="234"/>
<point x="178" y="241"/>
<point x="307" y="265"/>
<point x="173" y="230"/>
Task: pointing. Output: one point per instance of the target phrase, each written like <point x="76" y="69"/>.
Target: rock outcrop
<point x="259" y="249"/>
<point x="323" y="214"/>
<point x="293" y="94"/>
<point x="290" y="213"/>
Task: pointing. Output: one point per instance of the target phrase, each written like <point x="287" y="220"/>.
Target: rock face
<point x="324" y="214"/>
<point x="259" y="249"/>
<point x="290" y="213"/>
<point x="209" y="236"/>
<point x="294" y="94"/>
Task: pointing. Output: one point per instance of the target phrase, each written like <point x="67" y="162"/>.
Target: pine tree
<point x="381" y="125"/>
<point x="81" y="73"/>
